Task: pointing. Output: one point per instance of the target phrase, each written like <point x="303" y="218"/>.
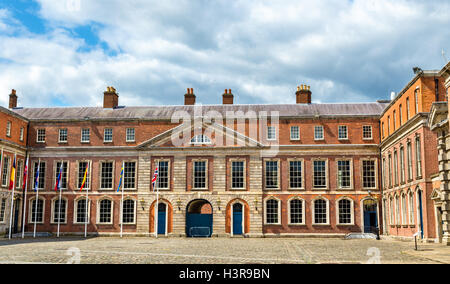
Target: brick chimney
<point x="110" y="98"/>
<point x="13" y="99"/>
<point x="189" y="97"/>
<point x="303" y="94"/>
<point x="227" y="97"/>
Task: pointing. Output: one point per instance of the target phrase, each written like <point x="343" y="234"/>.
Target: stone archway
<point x="199" y="218"/>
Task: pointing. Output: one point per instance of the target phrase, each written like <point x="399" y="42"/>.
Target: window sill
<point x="322" y="225"/>
<point x="345" y="188"/>
<point x="272" y="189"/>
<point x="238" y="189"/>
<point x="272" y="224"/>
<point x="296" y="189"/>
<point x="343" y="139"/>
<point x="352" y="224"/>
<point x="297" y="225"/>
<point x="405" y="226"/>
<point x="199" y="189"/>
<point x="320" y="188"/>
<point x="62" y="142"/>
<point x="56" y="223"/>
<point x="412" y="226"/>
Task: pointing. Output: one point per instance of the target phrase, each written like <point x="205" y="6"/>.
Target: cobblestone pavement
<point x="204" y="251"/>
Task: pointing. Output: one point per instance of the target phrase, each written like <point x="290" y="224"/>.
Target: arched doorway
<point x="162" y="219"/>
<point x="238" y="219"/>
<point x="199" y="218"/>
<point x="370" y="216"/>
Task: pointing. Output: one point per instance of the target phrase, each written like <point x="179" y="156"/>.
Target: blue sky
<point x="66" y="52"/>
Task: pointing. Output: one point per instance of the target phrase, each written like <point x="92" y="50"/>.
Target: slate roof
<point x="166" y="112"/>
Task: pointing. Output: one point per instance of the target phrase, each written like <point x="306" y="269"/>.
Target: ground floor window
<point x="272" y="214"/>
<point x="320" y="212"/>
<point x="37" y="211"/>
<point x="2" y="210"/>
<point x="296" y="211"/>
<point x="59" y="211"/>
<point x="105" y="211"/>
<point x="345" y="211"/>
<point x="82" y="211"/>
<point x="128" y="211"/>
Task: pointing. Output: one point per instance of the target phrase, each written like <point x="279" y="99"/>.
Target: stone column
<point x="444" y="171"/>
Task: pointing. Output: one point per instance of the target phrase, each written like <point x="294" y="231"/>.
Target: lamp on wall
<point x="179" y="204"/>
<point x="218" y="203"/>
<point x="256" y="203"/>
<point x="143" y="203"/>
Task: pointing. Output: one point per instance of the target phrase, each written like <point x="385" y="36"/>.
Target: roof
<point x="167" y="112"/>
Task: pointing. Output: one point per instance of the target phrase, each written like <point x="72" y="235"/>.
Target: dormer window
<point x="200" y="139"/>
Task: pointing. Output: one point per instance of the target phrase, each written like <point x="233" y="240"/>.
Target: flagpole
<point x="60" y="196"/>
<point x="87" y="206"/>
<point x="157" y="204"/>
<point x="25" y="198"/>
<point x="36" y="185"/>
<point x="12" y="195"/>
<point x="121" y="206"/>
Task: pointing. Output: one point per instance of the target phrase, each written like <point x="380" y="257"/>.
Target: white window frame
<point x="111" y="210"/>
<point x="33" y="181"/>
<point x="157" y="161"/>
<point x="100" y="173"/>
<point x="59" y="135"/>
<point x="206" y="174"/>
<point x="298" y="133"/>
<point x="278" y="174"/>
<point x="30" y="212"/>
<point x="56" y="172"/>
<point x="134" y="212"/>
<point x="52" y="216"/>
<point x="339" y="132"/>
<point x="5" y="177"/>
<point x="75" y="211"/>
<point x="326" y="174"/>
<point x="352" y="211"/>
<point x="278" y="212"/>
<point x="244" y="173"/>
<point x="371" y="132"/>
<point x="105" y="135"/>
<point x="351" y="173"/>
<point x="200" y="139"/>
<point x="22" y="134"/>
<point x="317" y="129"/>
<point x="83" y="135"/>
<point x="411" y="207"/>
<point x="327" y="202"/>
<point x="404" y="209"/>
<point x="375" y="170"/>
<point x="271" y="130"/>
<point x="8" y="128"/>
<point x="303" y="211"/>
<point x="3" y="210"/>
<point x="128" y="134"/>
<point x="88" y="177"/>
<point x="136" y="168"/>
<point x="302" y="161"/>
<point x="40" y="130"/>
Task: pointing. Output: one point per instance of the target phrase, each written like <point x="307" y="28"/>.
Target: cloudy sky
<point x="65" y="52"/>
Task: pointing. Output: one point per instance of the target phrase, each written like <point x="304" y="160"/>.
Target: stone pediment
<point x="217" y="136"/>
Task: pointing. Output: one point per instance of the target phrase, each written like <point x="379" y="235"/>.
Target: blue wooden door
<point x="237" y="219"/>
<point x="162" y="209"/>
<point x="199" y="225"/>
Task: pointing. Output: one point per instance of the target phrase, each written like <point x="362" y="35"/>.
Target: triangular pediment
<point x="217" y="136"/>
<point x="436" y="194"/>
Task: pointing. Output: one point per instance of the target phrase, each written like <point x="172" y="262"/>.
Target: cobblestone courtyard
<point x="216" y="250"/>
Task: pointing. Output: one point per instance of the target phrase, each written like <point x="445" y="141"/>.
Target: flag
<point x="155" y="178"/>
<point x="120" y="181"/>
<point x="36" y="182"/>
<point x="58" y="180"/>
<point x="25" y="175"/>
<point x="13" y="175"/>
<point x="84" y="178"/>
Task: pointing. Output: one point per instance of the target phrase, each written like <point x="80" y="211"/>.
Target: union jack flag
<point x="155" y="178"/>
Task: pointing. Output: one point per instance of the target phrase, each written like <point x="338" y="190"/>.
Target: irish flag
<point x="13" y="175"/>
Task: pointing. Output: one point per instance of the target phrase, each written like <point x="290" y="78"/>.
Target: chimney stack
<point x="110" y="98"/>
<point x="13" y="99"/>
<point x="227" y="97"/>
<point x="189" y="97"/>
<point x="303" y="94"/>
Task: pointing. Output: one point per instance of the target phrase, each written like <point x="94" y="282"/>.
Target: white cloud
<point x="346" y="50"/>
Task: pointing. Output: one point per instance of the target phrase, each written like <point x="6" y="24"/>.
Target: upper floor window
<point x="39" y="182"/>
<point x="84" y="168"/>
<point x="271" y="174"/>
<point x="130" y="135"/>
<point x="129" y="175"/>
<point x="271" y="133"/>
<point x="395" y="119"/>
<point x="8" y="128"/>
<point x="237" y="174"/>
<point x="64" y="171"/>
<point x="318" y="132"/>
<point x="163" y="174"/>
<point x="40" y="137"/>
<point x="343" y="132"/>
<point x="400" y="115"/>
<point x="63" y="135"/>
<point x="367" y="132"/>
<point x="5" y="171"/>
<point x="402" y="164"/>
<point x="295" y="174"/>
<point x="200" y="174"/>
<point x="295" y="133"/>
<point x="408" y="112"/>
<point x="106" y="175"/>
<point x="369" y="173"/>
<point x="390" y="170"/>
<point x="22" y="130"/>
<point x="389" y="125"/>
<point x="319" y="174"/>
<point x="395" y="167"/>
<point x="418" y="158"/>
<point x="416" y="96"/>
<point x="200" y="139"/>
<point x="344" y="173"/>
<point x="108" y="135"/>
<point x="382" y="129"/>
<point x="85" y="135"/>
<point x="409" y="160"/>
